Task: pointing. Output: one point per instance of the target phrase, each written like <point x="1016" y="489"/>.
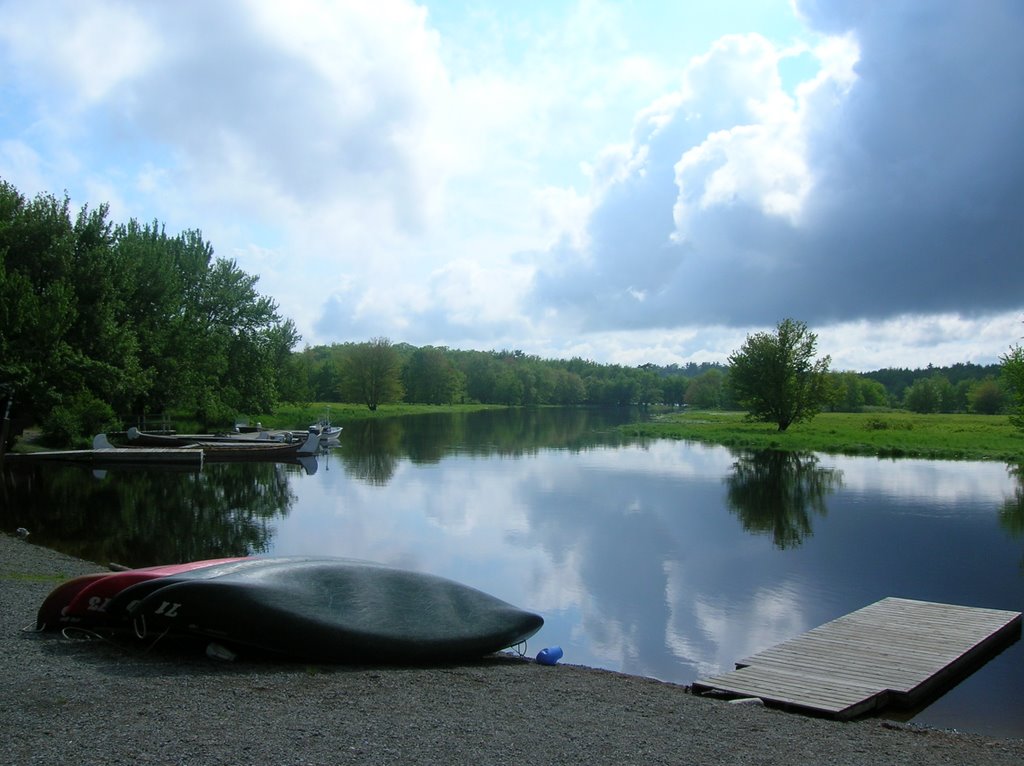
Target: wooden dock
<point x="893" y="652"/>
<point x="115" y="455"/>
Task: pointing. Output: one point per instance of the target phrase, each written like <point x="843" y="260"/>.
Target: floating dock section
<point x="105" y="454"/>
<point x="893" y="652"/>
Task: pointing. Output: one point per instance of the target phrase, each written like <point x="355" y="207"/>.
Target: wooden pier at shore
<point x="105" y="454"/>
<point x="893" y="652"/>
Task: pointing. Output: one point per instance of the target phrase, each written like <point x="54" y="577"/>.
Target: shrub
<point x="75" y="422"/>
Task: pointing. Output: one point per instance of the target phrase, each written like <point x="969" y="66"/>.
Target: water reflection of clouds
<point x="713" y="635"/>
<point x="666" y="458"/>
<point x="631" y="554"/>
<point x="643" y="537"/>
<point x="658" y="558"/>
<point x="600" y="537"/>
<point x="458" y="518"/>
<point x="944" y="486"/>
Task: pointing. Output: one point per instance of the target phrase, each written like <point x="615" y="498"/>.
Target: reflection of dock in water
<point x="895" y="651"/>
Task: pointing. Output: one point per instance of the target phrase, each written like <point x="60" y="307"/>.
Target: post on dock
<point x="6" y="427"/>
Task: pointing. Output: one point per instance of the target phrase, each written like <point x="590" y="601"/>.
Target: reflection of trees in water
<point x="774" y="492"/>
<point x="371" y="449"/>
<point x="1011" y="515"/>
<point x="151" y="516"/>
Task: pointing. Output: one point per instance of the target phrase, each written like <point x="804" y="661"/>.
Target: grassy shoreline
<point x="882" y="434"/>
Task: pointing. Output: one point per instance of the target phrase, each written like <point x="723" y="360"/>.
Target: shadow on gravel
<point x="125" y="656"/>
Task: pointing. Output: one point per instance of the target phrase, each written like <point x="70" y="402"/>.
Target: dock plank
<point x="895" y="650"/>
<point x="115" y="455"/>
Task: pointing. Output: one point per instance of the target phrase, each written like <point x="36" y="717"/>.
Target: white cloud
<point x="546" y="178"/>
<point x="87" y="49"/>
<point x="868" y="194"/>
<point x="915" y="341"/>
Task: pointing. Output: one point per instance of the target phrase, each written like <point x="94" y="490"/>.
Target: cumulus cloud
<point x="888" y="185"/>
<point x="536" y="177"/>
<point x="311" y="142"/>
<point x="257" y="109"/>
<point x="87" y="50"/>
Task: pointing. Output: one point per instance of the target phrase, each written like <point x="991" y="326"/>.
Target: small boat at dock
<point x="326" y="431"/>
<point x="220" y="448"/>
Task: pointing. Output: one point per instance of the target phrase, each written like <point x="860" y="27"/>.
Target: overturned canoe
<point x="51" y="613"/>
<point x="122" y="607"/>
<point x="84" y="600"/>
<point x="330" y="610"/>
<point x="90" y="603"/>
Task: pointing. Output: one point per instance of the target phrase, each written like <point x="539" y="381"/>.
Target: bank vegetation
<point x="896" y="434"/>
<point x="105" y="325"/>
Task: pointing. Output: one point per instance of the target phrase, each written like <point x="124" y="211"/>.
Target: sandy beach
<point x="66" y="700"/>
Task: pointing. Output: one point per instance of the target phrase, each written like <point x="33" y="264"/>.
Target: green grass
<point x="884" y="434"/>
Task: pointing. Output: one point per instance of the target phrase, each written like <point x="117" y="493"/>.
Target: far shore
<point x="883" y="433"/>
<point x="889" y="434"/>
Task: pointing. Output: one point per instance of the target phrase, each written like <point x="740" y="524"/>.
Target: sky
<point x="627" y="182"/>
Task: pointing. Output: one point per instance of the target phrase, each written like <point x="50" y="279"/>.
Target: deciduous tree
<point x="431" y="378"/>
<point x="705" y="391"/>
<point x="127" y="317"/>
<point x="372" y="373"/>
<point x="986" y="397"/>
<point x="775" y="377"/>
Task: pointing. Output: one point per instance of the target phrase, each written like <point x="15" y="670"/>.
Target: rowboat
<point x="222" y="448"/>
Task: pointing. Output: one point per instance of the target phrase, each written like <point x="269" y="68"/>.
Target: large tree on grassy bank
<point x="372" y="373"/>
<point x="775" y="377"/>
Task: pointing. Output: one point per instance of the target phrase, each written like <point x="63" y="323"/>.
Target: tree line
<point x="100" y="322"/>
<point x="105" y="323"/>
<point x="378" y="371"/>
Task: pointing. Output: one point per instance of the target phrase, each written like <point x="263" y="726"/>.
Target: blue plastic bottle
<point x="550" y="655"/>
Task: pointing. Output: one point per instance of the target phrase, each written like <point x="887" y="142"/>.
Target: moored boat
<point x="221" y="448"/>
<point x="325" y="430"/>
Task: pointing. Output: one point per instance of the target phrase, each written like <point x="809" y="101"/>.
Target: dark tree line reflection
<point x="775" y="493"/>
<point x="1011" y="514"/>
<point x="371" y="450"/>
<point x="144" y="517"/>
<point x="140" y="517"/>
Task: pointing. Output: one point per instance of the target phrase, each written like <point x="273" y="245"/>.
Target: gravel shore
<point x="94" y="702"/>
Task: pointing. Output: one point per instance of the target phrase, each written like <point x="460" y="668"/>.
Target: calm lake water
<point x="650" y="557"/>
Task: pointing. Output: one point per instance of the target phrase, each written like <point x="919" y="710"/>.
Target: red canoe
<point x="83" y="600"/>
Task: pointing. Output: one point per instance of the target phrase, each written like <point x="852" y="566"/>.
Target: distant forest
<point x="104" y="325"/>
<point x="440" y="375"/>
